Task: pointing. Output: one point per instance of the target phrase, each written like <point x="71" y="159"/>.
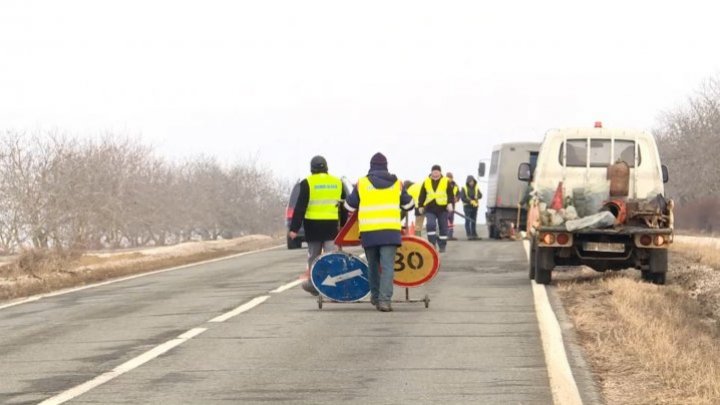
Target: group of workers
<point x="381" y="201"/>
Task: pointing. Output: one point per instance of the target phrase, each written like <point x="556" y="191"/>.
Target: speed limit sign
<point x="416" y="262"/>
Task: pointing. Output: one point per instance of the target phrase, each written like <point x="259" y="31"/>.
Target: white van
<point x="574" y="163"/>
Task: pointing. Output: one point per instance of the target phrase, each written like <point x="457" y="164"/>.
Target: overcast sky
<point x="423" y="82"/>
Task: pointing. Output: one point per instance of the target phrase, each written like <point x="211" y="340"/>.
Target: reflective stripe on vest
<point x="439" y="195"/>
<point x="379" y="208"/>
<point x="325" y="192"/>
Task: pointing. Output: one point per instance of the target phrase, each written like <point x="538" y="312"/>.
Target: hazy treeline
<point x="60" y="191"/>
<point x="689" y="142"/>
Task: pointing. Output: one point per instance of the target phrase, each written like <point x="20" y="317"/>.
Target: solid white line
<point x="122" y="369"/>
<point x="242" y="308"/>
<point x="118" y="280"/>
<point x="286" y="287"/>
<point x="562" y="383"/>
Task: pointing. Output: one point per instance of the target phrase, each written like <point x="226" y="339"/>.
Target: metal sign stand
<point x="321" y="300"/>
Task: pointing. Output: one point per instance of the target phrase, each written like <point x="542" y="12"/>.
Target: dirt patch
<point x="650" y="344"/>
<point x="41" y="272"/>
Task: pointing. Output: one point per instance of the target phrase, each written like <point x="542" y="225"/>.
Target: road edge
<point x="562" y="382"/>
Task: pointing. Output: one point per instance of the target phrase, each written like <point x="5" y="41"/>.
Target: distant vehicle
<point x="614" y="180"/>
<point x="504" y="190"/>
<point x="290" y="210"/>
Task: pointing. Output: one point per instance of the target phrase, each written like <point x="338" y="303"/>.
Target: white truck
<point x="580" y="216"/>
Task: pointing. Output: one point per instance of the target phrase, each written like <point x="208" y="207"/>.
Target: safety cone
<point x="557" y="201"/>
<point x="412" y="228"/>
<point x="305" y="275"/>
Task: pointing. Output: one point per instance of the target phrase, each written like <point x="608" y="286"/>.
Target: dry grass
<point x="648" y="344"/>
<point x="700" y="253"/>
<point x="36" y="272"/>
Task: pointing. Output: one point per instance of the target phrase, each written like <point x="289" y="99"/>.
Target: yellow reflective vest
<point x="325" y="192"/>
<point x="379" y="208"/>
<point x="439" y="195"/>
<point x="414" y="191"/>
<point x="476" y="195"/>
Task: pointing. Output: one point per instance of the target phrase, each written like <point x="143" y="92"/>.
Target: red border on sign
<point x="340" y="238"/>
<point x="436" y="262"/>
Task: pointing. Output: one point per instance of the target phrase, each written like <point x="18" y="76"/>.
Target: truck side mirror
<point x="481" y="169"/>
<point x="524" y="173"/>
<point x="665" y="174"/>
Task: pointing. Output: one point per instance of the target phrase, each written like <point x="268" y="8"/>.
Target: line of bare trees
<point x="689" y="142"/>
<point x="63" y="192"/>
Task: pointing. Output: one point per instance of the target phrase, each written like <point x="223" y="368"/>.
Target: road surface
<point x="477" y="343"/>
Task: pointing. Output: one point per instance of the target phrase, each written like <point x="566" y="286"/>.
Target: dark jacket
<point x="316" y="230"/>
<point x="470" y="195"/>
<point x="433" y="206"/>
<point x="380" y="179"/>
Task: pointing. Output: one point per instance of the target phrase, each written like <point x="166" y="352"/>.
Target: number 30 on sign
<point x="416" y="262"/>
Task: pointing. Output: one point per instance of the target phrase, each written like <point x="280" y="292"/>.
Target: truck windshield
<point x="599" y="152"/>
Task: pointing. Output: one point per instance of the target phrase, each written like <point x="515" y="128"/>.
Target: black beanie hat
<point x="436" y="167"/>
<point x="378" y="162"/>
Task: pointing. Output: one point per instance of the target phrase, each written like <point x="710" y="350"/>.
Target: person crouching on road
<point x="318" y="211"/>
<point x="436" y="201"/>
<point x="379" y="198"/>
<point x="455" y="198"/>
<point x="470" y="196"/>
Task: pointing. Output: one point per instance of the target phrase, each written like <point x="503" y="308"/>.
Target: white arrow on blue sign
<point x="340" y="276"/>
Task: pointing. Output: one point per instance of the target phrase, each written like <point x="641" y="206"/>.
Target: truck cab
<point x="584" y="214"/>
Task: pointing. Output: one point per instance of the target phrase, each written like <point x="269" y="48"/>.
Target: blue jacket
<point x="380" y="179"/>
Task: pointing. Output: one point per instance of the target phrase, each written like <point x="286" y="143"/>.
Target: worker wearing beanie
<point x="455" y="198"/>
<point x="436" y="201"/>
<point x="318" y="211"/>
<point x="379" y="198"/>
<point x="470" y="196"/>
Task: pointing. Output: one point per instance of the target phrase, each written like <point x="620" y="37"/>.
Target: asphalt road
<point x="477" y="343"/>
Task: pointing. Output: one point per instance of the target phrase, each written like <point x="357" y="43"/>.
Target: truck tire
<point x="532" y="261"/>
<point x="544" y="264"/>
<point x="658" y="267"/>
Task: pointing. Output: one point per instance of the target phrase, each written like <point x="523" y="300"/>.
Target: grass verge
<point x="37" y="272"/>
<point x="651" y="344"/>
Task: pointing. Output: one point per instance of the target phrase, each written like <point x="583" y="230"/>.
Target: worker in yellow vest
<point x="414" y="191"/>
<point x="436" y="201"/>
<point x="379" y="198"/>
<point x="455" y="198"/>
<point x="470" y="196"/>
<point x="318" y="211"/>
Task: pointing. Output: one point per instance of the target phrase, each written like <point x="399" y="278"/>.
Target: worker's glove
<point x="474" y="203"/>
<point x="450" y="208"/>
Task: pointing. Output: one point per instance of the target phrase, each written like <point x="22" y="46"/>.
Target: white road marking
<point x="157" y="350"/>
<point x="286" y="287"/>
<point x="123" y="368"/>
<point x="562" y="383"/>
<point x="242" y="308"/>
<point x="118" y="280"/>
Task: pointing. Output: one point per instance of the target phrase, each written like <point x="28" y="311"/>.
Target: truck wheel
<point x="544" y="264"/>
<point x="532" y="261"/>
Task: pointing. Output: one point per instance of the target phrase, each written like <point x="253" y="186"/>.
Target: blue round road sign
<point x="340" y="277"/>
